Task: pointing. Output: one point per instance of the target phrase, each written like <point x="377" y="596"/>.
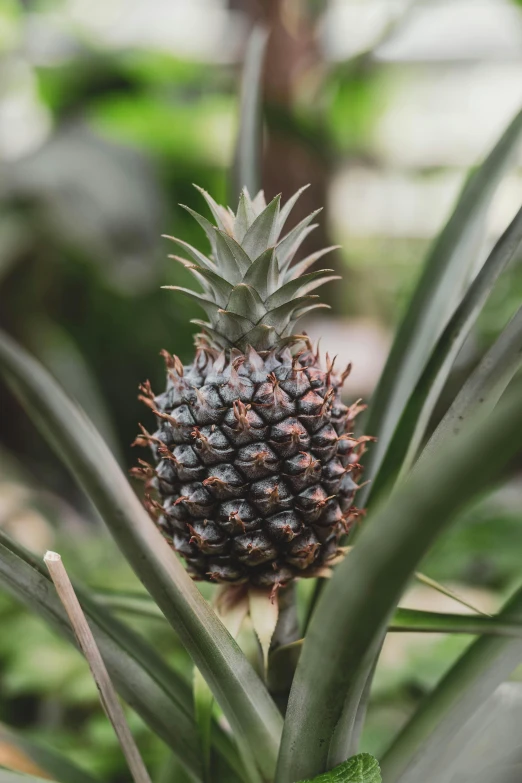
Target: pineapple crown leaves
<point x="251" y="292"/>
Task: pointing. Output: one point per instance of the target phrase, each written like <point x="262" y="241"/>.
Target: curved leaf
<point x="403" y="620"/>
<point x="412" y="426"/>
<point x="290" y="243"/>
<point x="156" y="692"/>
<point x="486" y="384"/>
<point x="237" y="688"/>
<point x="287" y="208"/>
<point x="210" y="307"/>
<point x="197" y="256"/>
<point x="303" y="284"/>
<point x="448" y="264"/>
<point x="206" y="225"/>
<point x="356" y="604"/>
<point x="478" y="672"/>
<point x="300" y="268"/>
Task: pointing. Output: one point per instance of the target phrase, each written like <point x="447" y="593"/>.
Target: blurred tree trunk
<point x="296" y="150"/>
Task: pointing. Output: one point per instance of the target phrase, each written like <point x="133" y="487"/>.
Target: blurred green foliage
<point x="119" y="137"/>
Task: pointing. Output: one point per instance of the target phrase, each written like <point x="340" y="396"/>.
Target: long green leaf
<point x="48" y="761"/>
<point x="485" y="385"/>
<point x="412" y="426"/>
<point x="160" y="696"/>
<point x="447" y="265"/>
<point x="247" y="157"/>
<point x="475" y="676"/>
<point x="417" y="621"/>
<point x="358" y="601"/>
<point x="403" y="620"/>
<point x="239" y="691"/>
<point x="487" y="747"/>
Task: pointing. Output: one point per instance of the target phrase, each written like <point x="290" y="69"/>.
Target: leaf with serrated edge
<point x="262" y="233"/>
<point x="363" y="768"/>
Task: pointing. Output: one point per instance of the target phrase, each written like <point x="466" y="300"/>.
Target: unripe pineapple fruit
<point x="255" y="461"/>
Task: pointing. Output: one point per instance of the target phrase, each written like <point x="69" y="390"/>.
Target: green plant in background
<point x="296" y="713"/>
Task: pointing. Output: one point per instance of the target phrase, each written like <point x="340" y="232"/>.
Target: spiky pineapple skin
<point x="255" y="464"/>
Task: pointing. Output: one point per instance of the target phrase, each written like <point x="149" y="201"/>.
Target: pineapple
<point x="255" y="461"/>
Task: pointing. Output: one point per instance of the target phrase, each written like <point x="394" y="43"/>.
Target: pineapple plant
<point x="256" y="464"/>
<point x="255" y="472"/>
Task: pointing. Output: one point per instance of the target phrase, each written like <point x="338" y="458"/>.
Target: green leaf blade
<point x="237" y="688"/>
<point x="485" y="385"/>
<point x="355" y="606"/>
<point x="476" y="675"/>
<point x="160" y="696"/>
<point x="447" y="265"/>
<point x="407" y="438"/>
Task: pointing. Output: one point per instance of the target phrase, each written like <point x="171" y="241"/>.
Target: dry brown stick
<point x="108" y="697"/>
